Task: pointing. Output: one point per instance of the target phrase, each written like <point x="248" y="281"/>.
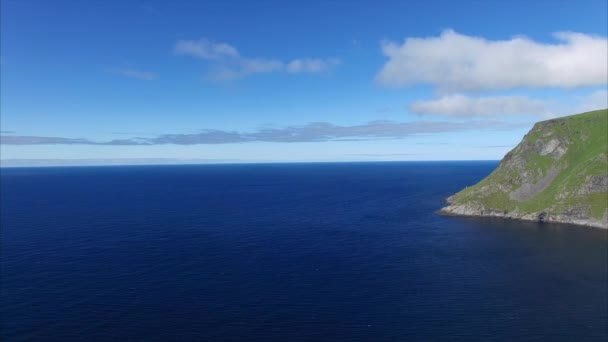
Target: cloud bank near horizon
<point x="313" y="132"/>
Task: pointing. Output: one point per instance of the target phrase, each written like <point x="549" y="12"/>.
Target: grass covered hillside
<point x="559" y="173"/>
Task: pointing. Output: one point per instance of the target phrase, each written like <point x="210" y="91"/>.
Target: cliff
<point x="558" y="173"/>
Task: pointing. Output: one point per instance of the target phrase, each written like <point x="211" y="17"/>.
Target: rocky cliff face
<point x="558" y="173"/>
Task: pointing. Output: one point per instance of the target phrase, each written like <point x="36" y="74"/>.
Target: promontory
<point x="557" y="173"/>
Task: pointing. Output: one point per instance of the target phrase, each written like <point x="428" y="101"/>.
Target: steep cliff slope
<point x="558" y="173"/>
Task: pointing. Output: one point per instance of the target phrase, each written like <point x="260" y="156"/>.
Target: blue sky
<point x="270" y="81"/>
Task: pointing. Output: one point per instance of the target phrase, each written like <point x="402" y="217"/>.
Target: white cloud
<point x="205" y="49"/>
<point x="312" y="65"/>
<point x="230" y="65"/>
<point x="138" y="74"/>
<point x="457" y="62"/>
<point x="458" y="105"/>
<point x="245" y="67"/>
<point x="463" y="106"/>
<point x="258" y="65"/>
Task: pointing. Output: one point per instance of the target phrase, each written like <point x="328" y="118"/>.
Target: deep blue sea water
<point x="285" y="252"/>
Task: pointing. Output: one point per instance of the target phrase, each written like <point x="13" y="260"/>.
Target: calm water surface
<point x="285" y="252"/>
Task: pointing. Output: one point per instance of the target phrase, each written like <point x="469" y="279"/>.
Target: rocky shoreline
<point x="479" y="211"/>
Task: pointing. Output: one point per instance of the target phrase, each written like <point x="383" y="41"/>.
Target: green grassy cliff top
<point x="560" y="168"/>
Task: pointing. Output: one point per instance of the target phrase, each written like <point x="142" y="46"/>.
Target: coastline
<point x="479" y="211"/>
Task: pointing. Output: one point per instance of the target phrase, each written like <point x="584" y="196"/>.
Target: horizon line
<point x="2" y="166"/>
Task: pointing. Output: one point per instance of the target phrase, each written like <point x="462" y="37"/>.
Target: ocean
<point x="285" y="252"/>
